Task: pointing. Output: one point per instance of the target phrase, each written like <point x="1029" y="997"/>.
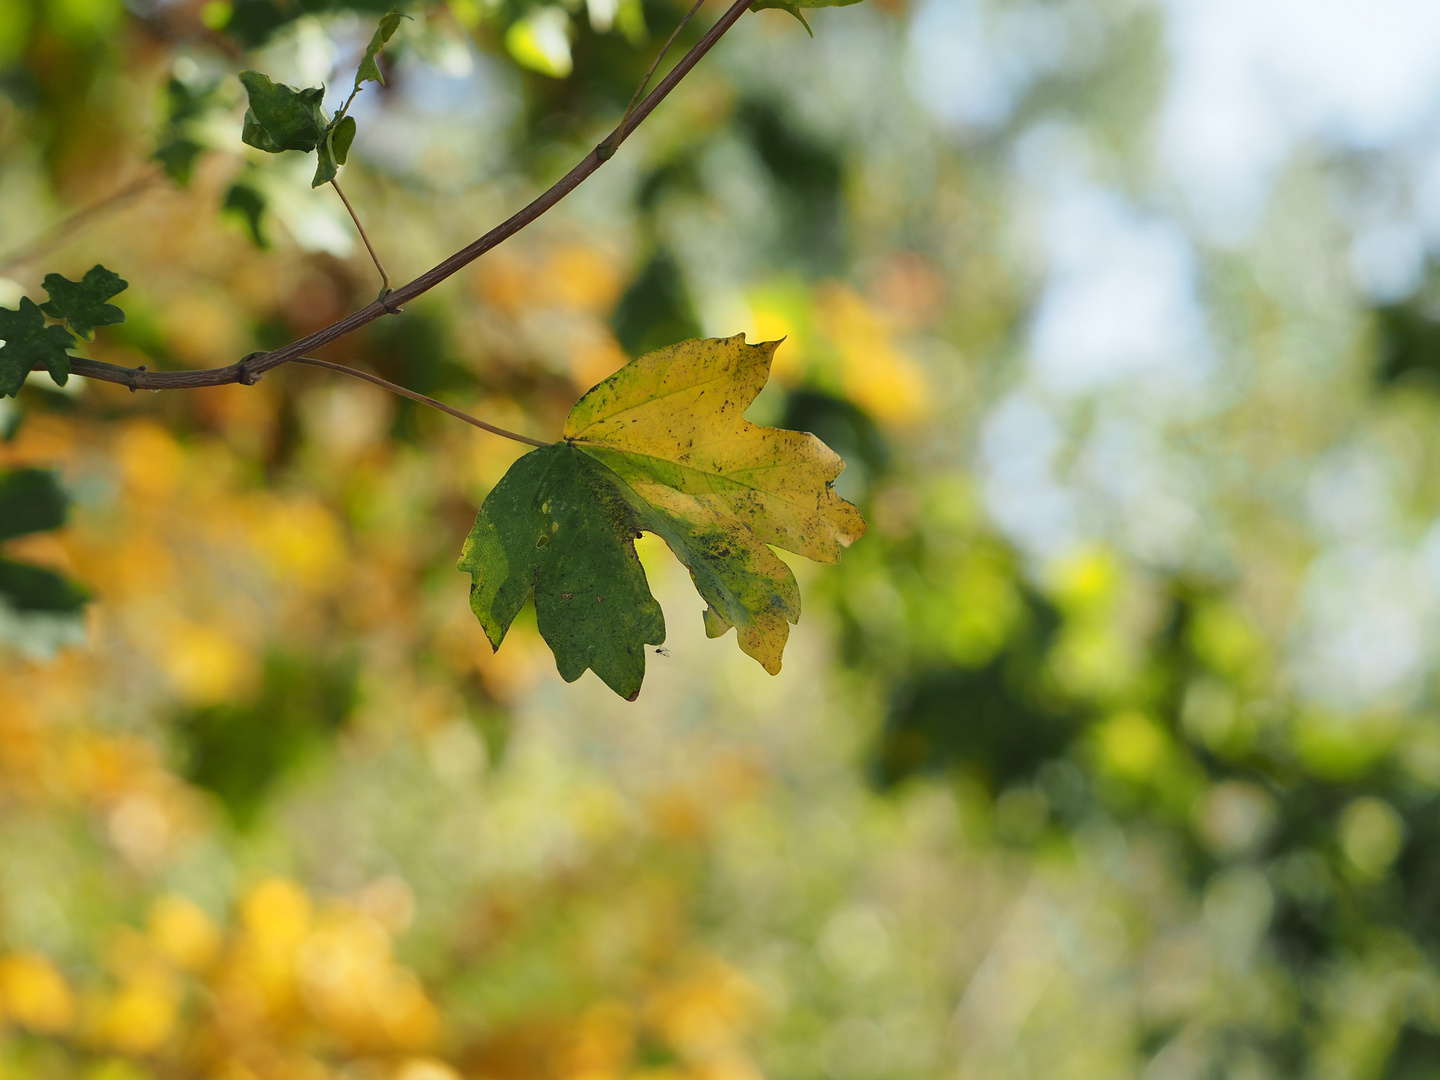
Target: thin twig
<point x="54" y="237"/>
<point x="413" y="396"/>
<point x="630" y="108"/>
<point x="384" y="277"/>
<point x="248" y="370"/>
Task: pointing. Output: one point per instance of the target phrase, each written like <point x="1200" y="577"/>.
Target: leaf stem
<point x="384" y="277"/>
<point x="629" y="109"/>
<point x="394" y="388"/>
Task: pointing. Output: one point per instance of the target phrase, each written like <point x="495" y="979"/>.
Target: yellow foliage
<point x="877" y="376"/>
<point x="140" y="1017"/>
<point x="205" y="664"/>
<point x="275" y="915"/>
<point x="583" y="279"/>
<point x="151" y="462"/>
<point x="301" y="542"/>
<point x="1132" y="745"/>
<point x="350" y="985"/>
<point x="183" y="933"/>
<point x="34" y="995"/>
<point x="704" y="1014"/>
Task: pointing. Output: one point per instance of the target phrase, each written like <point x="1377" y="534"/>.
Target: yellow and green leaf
<point x="662" y="446"/>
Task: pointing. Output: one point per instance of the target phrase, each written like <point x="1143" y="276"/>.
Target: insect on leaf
<point x="281" y="117"/>
<point x="29" y="343"/>
<point x="664" y="445"/>
<point x="369" y="69"/>
<point x="82" y="304"/>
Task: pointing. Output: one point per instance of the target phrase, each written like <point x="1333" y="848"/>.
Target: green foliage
<point x="178" y="149"/>
<point x="281" y="117"/>
<point x="31" y="342"/>
<point x="369" y="70"/>
<point x="284" y="118"/>
<point x="32" y="501"/>
<point x="82" y="304"/>
<point x="677" y="458"/>
<point x="248" y="203"/>
<point x="334" y="149"/>
<point x="655" y="309"/>
<point x="241" y="750"/>
<point x="253" y="22"/>
<point x="27" y="588"/>
<point x="556" y="526"/>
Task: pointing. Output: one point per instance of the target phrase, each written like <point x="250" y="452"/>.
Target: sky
<point x="1119" y="337"/>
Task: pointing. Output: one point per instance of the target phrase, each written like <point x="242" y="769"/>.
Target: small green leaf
<point x="369" y="69"/>
<point x="177" y="157"/>
<point x="333" y="151"/>
<point x="326" y="167"/>
<point x="248" y="204"/>
<point x="82" y="303"/>
<point x="794" y="7"/>
<point x="342" y="137"/>
<point x="31" y="501"/>
<point x="29" y="342"/>
<point x="281" y="117"/>
<point x="557" y="526"/>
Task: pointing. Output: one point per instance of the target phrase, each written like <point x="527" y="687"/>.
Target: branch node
<point x="243" y="375"/>
<point x="135" y="378"/>
<point x="388" y="304"/>
<point x="605" y="151"/>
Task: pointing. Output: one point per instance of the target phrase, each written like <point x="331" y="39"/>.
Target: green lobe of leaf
<point x="369" y="69"/>
<point x="82" y="303"/>
<point x="281" y="117"/>
<point x="717" y="488"/>
<point x="342" y="138"/>
<point x="334" y="149"/>
<point x="30" y="343"/>
<point x="558" y="526"/>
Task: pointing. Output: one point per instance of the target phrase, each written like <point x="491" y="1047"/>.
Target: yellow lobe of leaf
<point x="718" y="488"/>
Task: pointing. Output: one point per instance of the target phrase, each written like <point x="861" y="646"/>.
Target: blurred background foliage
<point x="1110" y="751"/>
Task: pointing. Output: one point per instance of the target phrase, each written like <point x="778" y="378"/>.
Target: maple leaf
<point x="30" y="343"/>
<point x="664" y="447"/>
<point x="794" y="7"/>
<point x="82" y="303"/>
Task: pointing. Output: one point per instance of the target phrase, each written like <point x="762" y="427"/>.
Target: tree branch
<point x="252" y="367"/>
<point x="56" y="236"/>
